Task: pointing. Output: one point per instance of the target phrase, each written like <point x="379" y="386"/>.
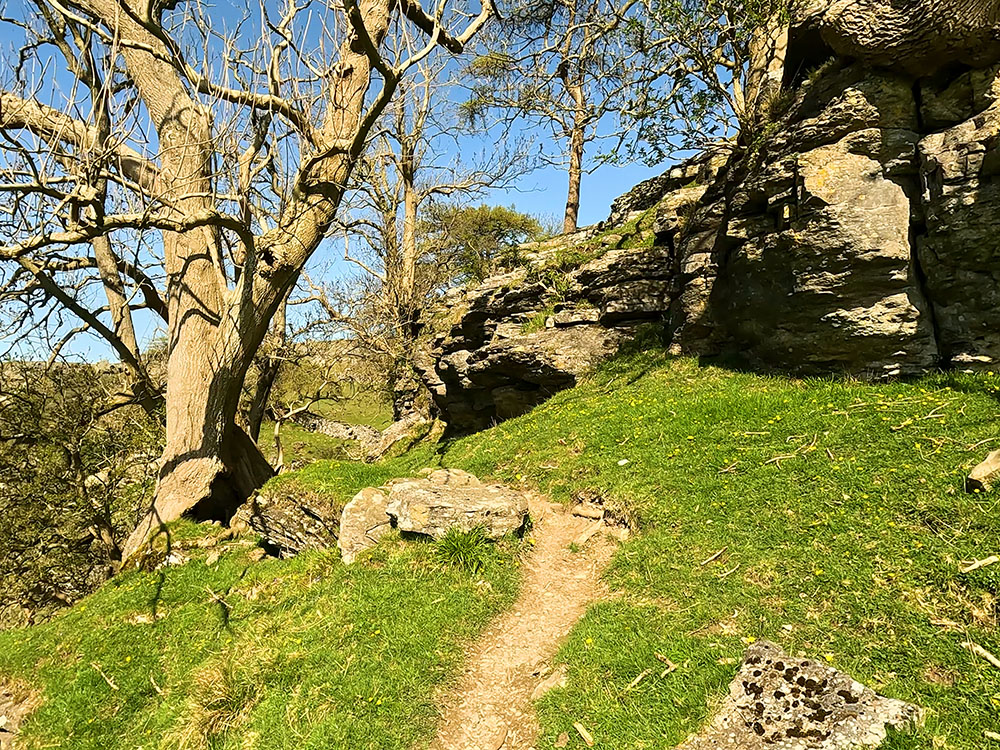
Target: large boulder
<point x="399" y="437"/>
<point x="455" y="500"/>
<point x="915" y="36"/>
<point x="781" y="701"/>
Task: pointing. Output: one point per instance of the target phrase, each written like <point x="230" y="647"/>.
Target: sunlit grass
<point x="840" y="510"/>
<point x="832" y="512"/>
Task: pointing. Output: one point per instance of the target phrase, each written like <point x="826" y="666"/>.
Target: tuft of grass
<point x="536" y="322"/>
<point x="469" y="550"/>
<point x="225" y="693"/>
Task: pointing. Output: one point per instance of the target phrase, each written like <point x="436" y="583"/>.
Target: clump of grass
<point x="536" y="322"/>
<point x="471" y="550"/>
<point x="224" y="694"/>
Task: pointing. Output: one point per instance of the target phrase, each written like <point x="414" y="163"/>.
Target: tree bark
<point x="269" y="369"/>
<point x="575" y="171"/>
<point x="210" y="465"/>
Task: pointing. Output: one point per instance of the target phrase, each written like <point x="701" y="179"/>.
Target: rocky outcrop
<point x="857" y="232"/>
<point x="780" y="701"/>
<point x="918" y="37"/>
<point x="17" y="703"/>
<point x="290" y="521"/>
<point x="361" y="433"/>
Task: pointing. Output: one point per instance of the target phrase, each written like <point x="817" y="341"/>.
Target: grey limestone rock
<point x="780" y="702"/>
<point x="448" y="500"/>
<point x="363" y="522"/>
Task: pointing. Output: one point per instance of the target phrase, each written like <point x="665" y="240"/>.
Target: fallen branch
<point x="981" y="652"/>
<point x="584" y="734"/>
<point x="728" y="572"/>
<point x="713" y="558"/>
<point x="585" y="536"/>
<point x="671" y="667"/>
<point x="972" y="565"/>
<point x="107" y="679"/>
<point x="642" y="676"/>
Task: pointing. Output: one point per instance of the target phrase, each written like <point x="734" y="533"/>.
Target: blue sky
<point x="541" y="192"/>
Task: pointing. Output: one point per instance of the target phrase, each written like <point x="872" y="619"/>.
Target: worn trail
<point x="511" y="664"/>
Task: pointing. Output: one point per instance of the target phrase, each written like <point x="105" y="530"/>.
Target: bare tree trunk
<point x="210" y="465"/>
<point x="576" y="143"/>
<point x="268" y="373"/>
<point x="768" y="49"/>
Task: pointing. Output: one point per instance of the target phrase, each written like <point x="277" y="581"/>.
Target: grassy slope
<point x="845" y="550"/>
<point x="305" y="653"/>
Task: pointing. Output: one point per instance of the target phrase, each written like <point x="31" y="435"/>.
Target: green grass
<point x="370" y="409"/>
<point x="305" y="653"/>
<point x="839" y="507"/>
<point x="844" y="550"/>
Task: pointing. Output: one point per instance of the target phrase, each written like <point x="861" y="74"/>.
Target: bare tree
<point x="576" y="67"/>
<point x="214" y="154"/>
<point x="407" y="171"/>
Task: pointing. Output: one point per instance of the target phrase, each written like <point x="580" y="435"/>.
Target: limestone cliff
<point x="860" y="232"/>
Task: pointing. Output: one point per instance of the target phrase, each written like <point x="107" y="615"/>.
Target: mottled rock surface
<point x="447" y="500"/>
<point x="779" y="702"/>
<point x="17" y="703"/>
<point x="363" y="522"/>
<point x="985" y="474"/>
<point x="292" y="522"/>
<point x="398" y="437"/>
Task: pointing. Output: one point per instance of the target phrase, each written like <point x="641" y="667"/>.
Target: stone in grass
<point x="363" y="522"/>
<point x="779" y="702"/>
<point x="985" y="475"/>
<point x="452" y="499"/>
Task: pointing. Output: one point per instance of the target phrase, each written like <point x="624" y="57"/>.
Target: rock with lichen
<point x="782" y="702"/>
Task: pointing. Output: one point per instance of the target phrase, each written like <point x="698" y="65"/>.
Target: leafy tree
<point x="477" y="241"/>
<point x="74" y="472"/>
<point x="723" y="62"/>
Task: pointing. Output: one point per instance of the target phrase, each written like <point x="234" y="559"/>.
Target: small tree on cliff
<point x="577" y="67"/>
<point x="474" y="242"/>
<point x="180" y="151"/>
<point x="723" y="63"/>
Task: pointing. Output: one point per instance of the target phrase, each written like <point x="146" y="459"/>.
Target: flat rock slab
<point x="449" y="499"/>
<point x="291" y="523"/>
<point x="780" y="702"/>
